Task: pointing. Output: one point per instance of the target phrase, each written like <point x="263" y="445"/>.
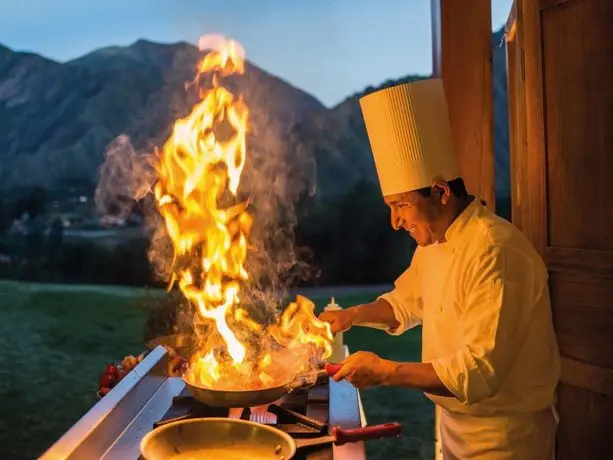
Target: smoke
<point x="125" y="178"/>
<point x="125" y="185"/>
<point x="274" y="179"/>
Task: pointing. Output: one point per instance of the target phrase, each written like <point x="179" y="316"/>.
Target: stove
<point x="147" y="398"/>
<point x="302" y="414"/>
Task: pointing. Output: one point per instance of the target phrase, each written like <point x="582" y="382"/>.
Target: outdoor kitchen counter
<point x="113" y="428"/>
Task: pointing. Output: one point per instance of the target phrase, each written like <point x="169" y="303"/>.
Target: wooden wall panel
<point x="593" y="261"/>
<point x="585" y="424"/>
<point x="587" y="376"/>
<point x="550" y="3"/>
<point x="566" y="203"/>
<point x="578" y="76"/>
<point x="583" y="317"/>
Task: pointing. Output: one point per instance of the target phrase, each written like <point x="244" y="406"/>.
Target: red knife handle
<point x="386" y="430"/>
<point x="332" y="369"/>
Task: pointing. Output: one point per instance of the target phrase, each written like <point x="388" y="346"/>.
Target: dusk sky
<point x="330" y="48"/>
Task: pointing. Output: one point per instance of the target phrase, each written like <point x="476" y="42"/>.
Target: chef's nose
<point x="396" y="220"/>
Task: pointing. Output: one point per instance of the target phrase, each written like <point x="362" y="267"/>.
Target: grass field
<point x="54" y="342"/>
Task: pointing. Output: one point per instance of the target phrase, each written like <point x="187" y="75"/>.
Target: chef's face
<point x="421" y="216"/>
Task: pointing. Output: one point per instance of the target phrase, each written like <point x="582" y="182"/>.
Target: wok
<point x="233" y="439"/>
<point x="252" y="398"/>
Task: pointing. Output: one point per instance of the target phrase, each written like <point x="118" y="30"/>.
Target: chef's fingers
<point x="353" y="358"/>
<point x="331" y="315"/>
<point x="335" y="327"/>
<point x="344" y="371"/>
<point x="327" y="316"/>
<point x="331" y="318"/>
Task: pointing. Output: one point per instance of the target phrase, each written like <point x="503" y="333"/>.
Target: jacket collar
<point x="454" y="233"/>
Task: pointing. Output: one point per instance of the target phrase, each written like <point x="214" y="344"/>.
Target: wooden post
<point x="462" y="47"/>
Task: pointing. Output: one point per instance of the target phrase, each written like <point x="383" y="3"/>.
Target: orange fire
<point x="199" y="167"/>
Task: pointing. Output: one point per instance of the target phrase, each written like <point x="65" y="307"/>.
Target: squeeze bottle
<point x="338" y="353"/>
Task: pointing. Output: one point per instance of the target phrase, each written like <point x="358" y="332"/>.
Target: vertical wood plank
<point x="462" y="47"/>
<point x="578" y="71"/>
<point x="536" y="156"/>
<point x="520" y="201"/>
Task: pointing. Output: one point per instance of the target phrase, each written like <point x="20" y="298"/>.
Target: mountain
<point x="56" y="119"/>
<point x="337" y="139"/>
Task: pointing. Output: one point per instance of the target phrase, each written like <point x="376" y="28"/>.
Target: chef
<point x="490" y="360"/>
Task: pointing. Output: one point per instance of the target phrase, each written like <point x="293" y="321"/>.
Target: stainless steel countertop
<point x="113" y="428"/>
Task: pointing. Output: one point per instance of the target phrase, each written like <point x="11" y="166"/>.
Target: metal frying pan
<point x="183" y="345"/>
<point x="251" y="398"/>
<point x="232" y="439"/>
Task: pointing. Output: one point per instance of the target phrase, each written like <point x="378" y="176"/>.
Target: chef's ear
<point x="441" y="189"/>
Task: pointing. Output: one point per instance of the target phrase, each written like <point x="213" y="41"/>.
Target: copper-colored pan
<point x="183" y="345"/>
<point x="252" y="398"/>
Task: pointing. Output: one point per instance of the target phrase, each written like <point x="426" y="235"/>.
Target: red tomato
<point x="104" y="391"/>
<point x="111" y="369"/>
<point x="106" y="380"/>
<point x="121" y="373"/>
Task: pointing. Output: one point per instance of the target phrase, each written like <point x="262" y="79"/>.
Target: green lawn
<point x="54" y="342"/>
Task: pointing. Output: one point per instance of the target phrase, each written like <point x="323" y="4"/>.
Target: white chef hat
<point x="410" y="135"/>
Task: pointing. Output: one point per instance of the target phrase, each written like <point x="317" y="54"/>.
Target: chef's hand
<point x="340" y="320"/>
<point x="365" y="370"/>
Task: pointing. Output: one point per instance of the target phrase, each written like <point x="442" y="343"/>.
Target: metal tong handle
<point x="284" y="414"/>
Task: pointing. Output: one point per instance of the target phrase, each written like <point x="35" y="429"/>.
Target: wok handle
<point x="332" y="369"/>
<point x="386" y="430"/>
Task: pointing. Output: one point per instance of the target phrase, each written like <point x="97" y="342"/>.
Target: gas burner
<point x="289" y="415"/>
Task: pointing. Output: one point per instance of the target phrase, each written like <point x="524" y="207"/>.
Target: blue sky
<point x="330" y="48"/>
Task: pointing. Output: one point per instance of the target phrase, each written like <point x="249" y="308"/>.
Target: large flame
<point x="199" y="167"/>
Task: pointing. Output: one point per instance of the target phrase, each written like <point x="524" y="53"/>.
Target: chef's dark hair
<point x="457" y="187"/>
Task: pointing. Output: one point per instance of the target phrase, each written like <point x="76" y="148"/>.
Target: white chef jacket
<point x="483" y="300"/>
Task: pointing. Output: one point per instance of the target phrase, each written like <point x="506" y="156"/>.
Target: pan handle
<point x="386" y="430"/>
<point x="332" y="369"/>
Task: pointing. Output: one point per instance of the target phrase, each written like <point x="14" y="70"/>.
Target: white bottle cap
<point x="333" y="305"/>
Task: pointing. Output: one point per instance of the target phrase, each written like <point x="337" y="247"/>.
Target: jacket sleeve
<point x="406" y="299"/>
<point x="499" y="297"/>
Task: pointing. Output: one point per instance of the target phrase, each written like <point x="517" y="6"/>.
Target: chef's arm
<point x="419" y="376"/>
<point x="397" y="310"/>
<point x="375" y="314"/>
<point x="501" y="291"/>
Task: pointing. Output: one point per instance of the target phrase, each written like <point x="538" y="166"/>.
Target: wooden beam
<point x="543" y="4"/>
<point x="588" y="376"/>
<point x="594" y="262"/>
<point x="462" y="47"/>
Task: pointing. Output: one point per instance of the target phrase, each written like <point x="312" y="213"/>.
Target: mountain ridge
<point x="56" y="119"/>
